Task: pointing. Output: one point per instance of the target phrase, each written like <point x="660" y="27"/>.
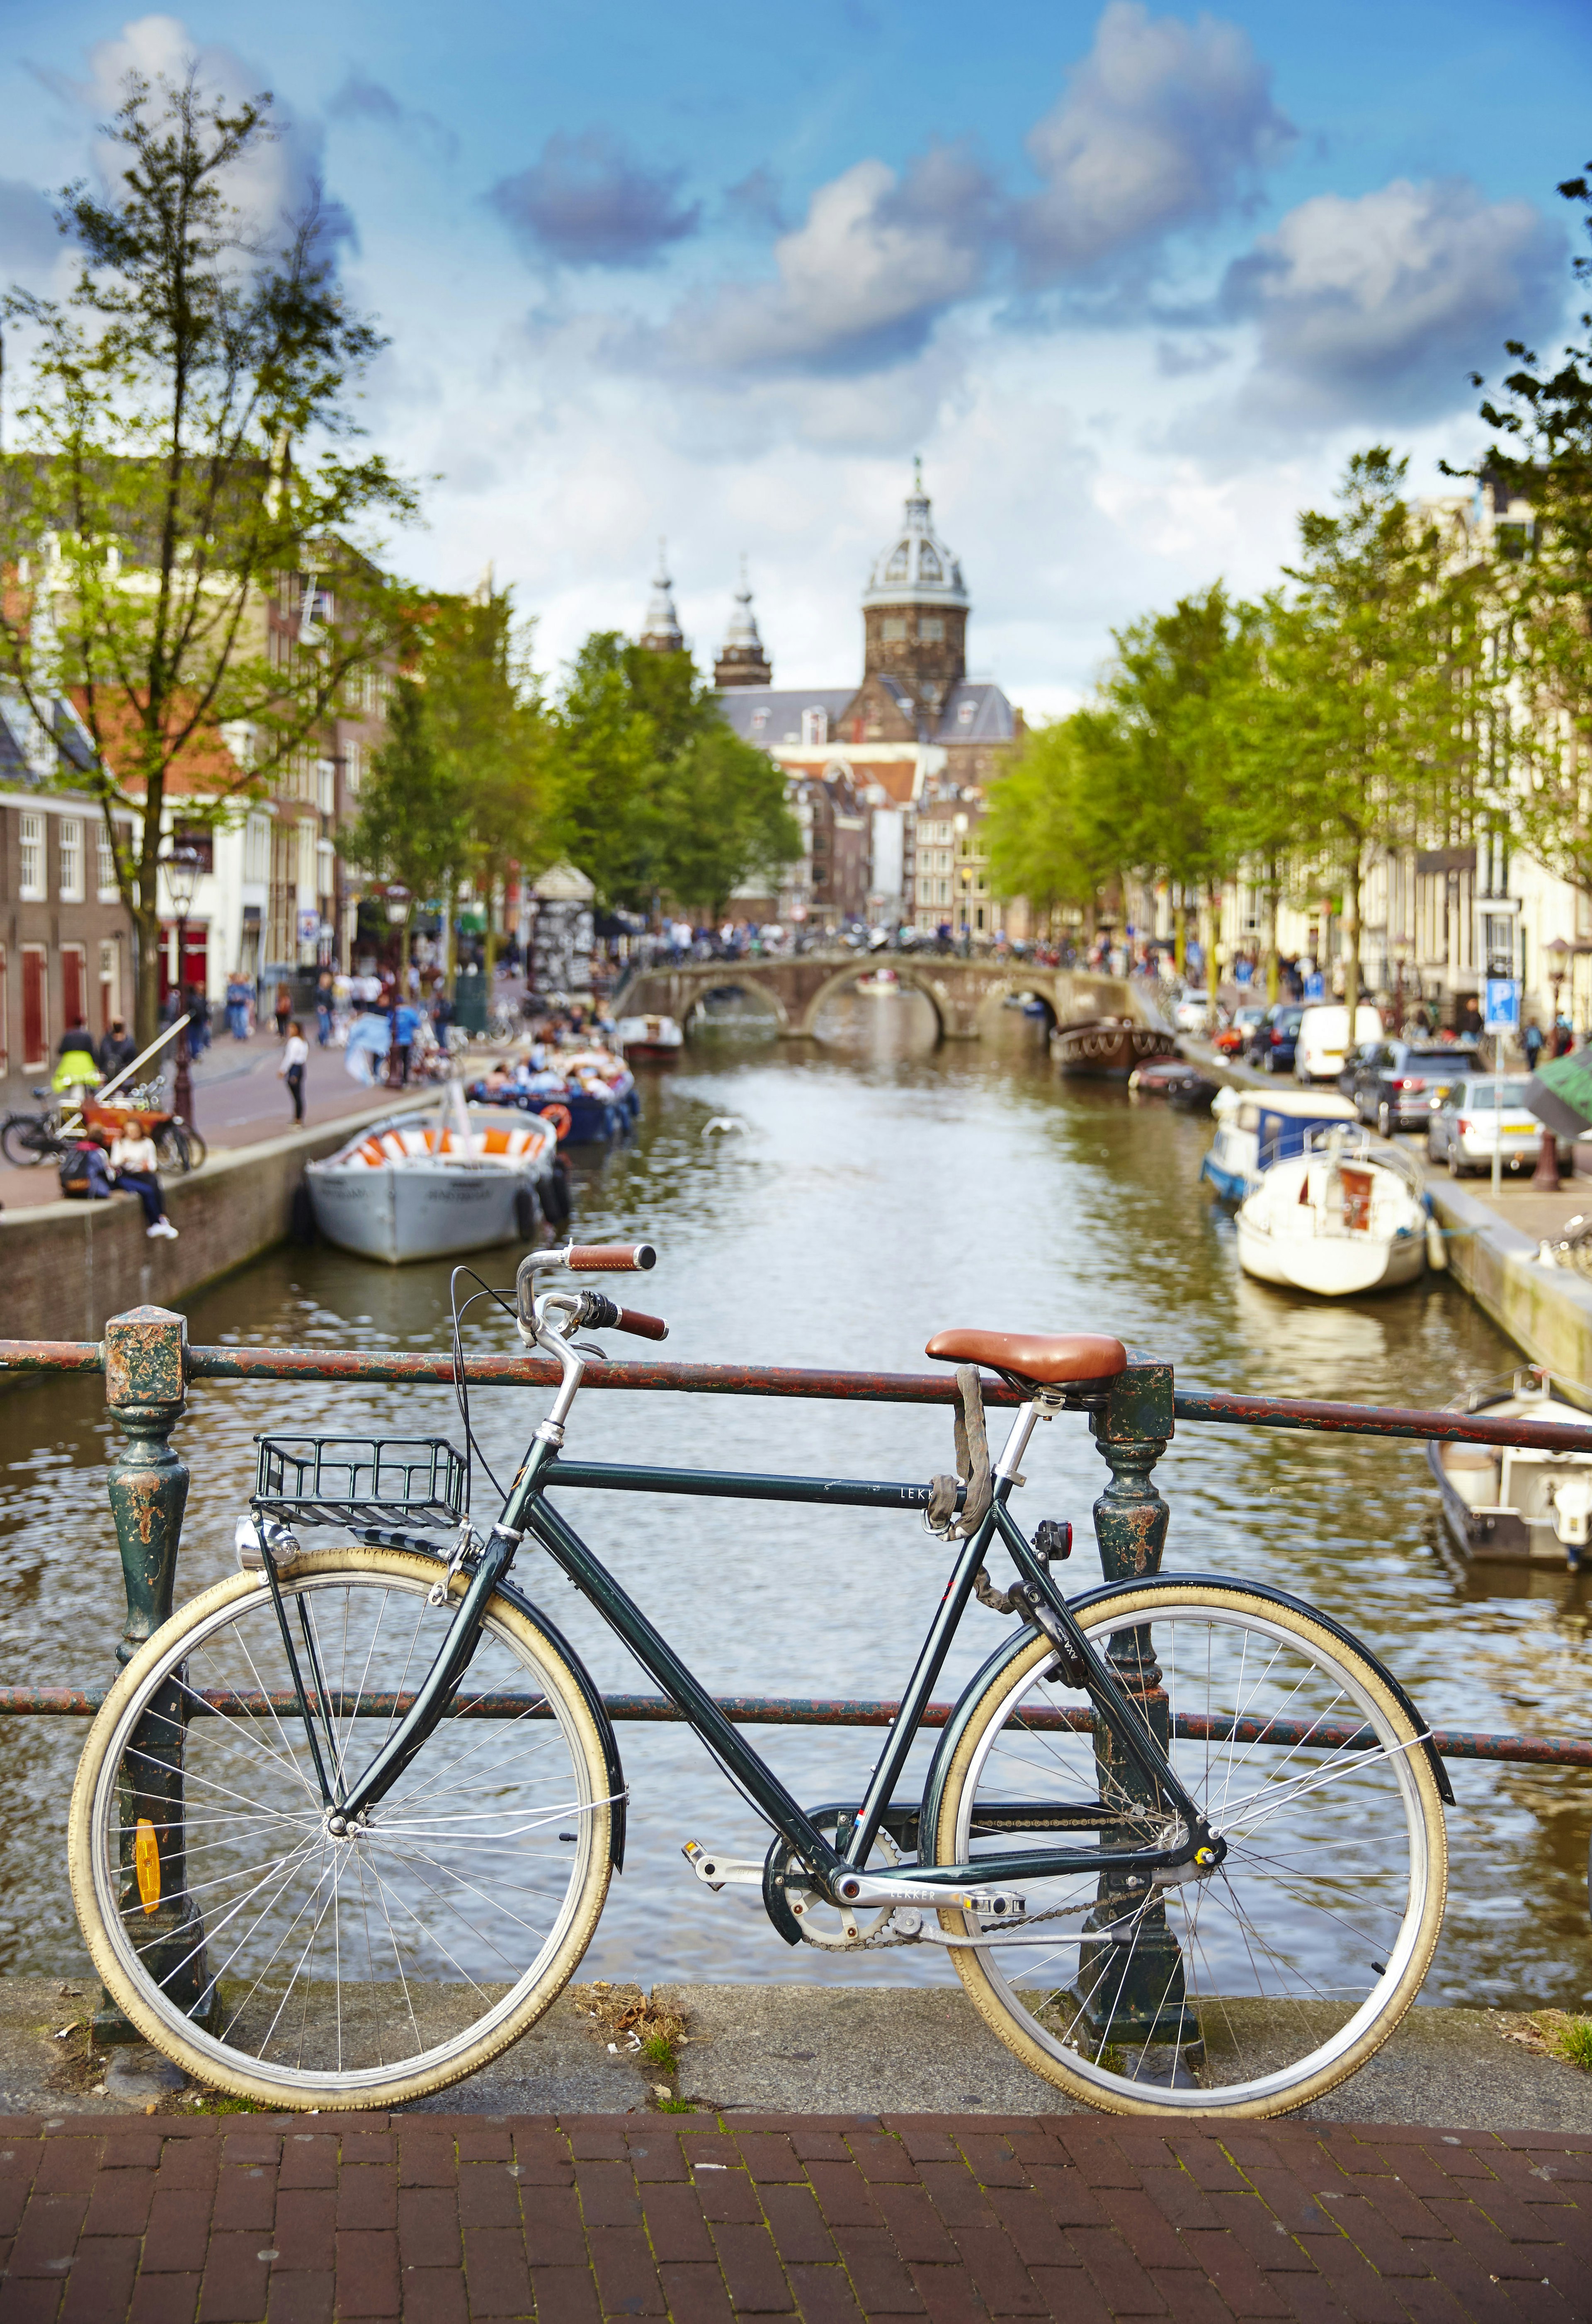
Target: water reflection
<point x="882" y="1189"/>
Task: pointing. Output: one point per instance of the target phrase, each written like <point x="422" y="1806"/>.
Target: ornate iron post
<point x="145" y="1360"/>
<point x="1134" y="1996"/>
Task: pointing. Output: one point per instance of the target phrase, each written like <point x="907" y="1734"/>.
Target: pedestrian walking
<point x="135" y="1171"/>
<point x="1531" y="1041"/>
<point x="239" y="993"/>
<point x="406" y="1018"/>
<point x="117" y="1049"/>
<point x="295" y="1056"/>
<point x="283" y="1011"/>
<point x="322" y="1008"/>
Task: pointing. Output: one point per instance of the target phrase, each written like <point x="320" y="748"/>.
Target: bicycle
<point x="27" y="1139"/>
<point x="1183" y="1839"/>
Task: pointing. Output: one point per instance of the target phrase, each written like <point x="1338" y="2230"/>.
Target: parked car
<point x="1397" y="1084"/>
<point x="1324" y="1038"/>
<point x="1272" y="1043"/>
<point x="1233" y="1039"/>
<point x="1191" y="1013"/>
<point x="1466" y="1127"/>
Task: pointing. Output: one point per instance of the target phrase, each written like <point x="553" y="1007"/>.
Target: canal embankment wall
<point x="68" y="1266"/>
<point x="1545" y="1310"/>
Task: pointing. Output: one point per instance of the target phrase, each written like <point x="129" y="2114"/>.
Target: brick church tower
<point x="915" y="613"/>
<point x="742" y="660"/>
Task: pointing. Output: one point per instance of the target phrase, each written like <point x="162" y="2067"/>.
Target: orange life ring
<point x="558" y="1115"/>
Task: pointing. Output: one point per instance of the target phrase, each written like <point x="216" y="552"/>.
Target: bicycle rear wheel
<point x="1261" y="1986"/>
<point x="24" y="1141"/>
<point x="274" y="1959"/>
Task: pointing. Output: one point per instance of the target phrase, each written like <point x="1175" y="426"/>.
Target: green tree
<point x="659" y="797"/>
<point x="186" y="455"/>
<point x="1541" y="618"/>
<point x="1362" y="725"/>
<point x="412" y="826"/>
<point x="1061" y="818"/>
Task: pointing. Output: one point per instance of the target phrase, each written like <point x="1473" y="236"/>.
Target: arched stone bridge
<point x="794" y="990"/>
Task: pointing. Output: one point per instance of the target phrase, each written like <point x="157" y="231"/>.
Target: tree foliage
<point x="187" y="442"/>
<point x="659" y="799"/>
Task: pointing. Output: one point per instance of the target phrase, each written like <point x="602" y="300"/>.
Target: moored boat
<point x="1175" y="1079"/>
<point x="430" y="1185"/>
<point x="1338" y="1220"/>
<point x="1517" y="1505"/>
<point x="649" y="1041"/>
<point x="1255" y="1129"/>
<point x="1108" y="1048"/>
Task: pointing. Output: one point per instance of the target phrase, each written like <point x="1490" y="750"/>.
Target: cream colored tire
<point x="1335" y="1879"/>
<point x="248" y="1789"/>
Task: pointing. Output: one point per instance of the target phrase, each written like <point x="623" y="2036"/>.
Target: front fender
<point x="594" y="1704"/>
<point x="1011" y="1647"/>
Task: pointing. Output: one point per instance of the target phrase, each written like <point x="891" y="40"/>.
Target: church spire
<point x="661" y="632"/>
<point x="741" y="660"/>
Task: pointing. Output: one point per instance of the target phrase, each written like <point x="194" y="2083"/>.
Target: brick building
<point x="66" y="941"/>
<point x="918" y="736"/>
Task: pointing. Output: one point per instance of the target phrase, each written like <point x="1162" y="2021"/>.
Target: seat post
<point x="1135" y="1999"/>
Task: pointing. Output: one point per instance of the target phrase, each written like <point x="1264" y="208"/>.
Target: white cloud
<point x="1379" y="306"/>
<point x="275" y="183"/>
<point x="861" y="284"/>
<point x="1164" y="125"/>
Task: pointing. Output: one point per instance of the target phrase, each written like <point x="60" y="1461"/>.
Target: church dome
<point x="916" y="569"/>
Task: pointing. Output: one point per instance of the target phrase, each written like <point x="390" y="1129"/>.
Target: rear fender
<point x="1020" y="1640"/>
<point x="594" y="1704"/>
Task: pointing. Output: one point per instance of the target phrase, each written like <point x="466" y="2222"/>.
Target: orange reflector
<point x="146" y="1863"/>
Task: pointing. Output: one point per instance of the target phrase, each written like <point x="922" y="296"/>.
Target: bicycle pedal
<point x="716" y="1872"/>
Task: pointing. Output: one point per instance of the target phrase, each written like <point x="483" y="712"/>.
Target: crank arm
<point x="716" y="1872"/>
<point x="879" y="1888"/>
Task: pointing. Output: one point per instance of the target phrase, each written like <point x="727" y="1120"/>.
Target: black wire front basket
<point x="360" y="1480"/>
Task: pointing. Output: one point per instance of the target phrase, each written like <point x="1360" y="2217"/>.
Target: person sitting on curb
<point x="84" y="1172"/>
<point x="134" y="1169"/>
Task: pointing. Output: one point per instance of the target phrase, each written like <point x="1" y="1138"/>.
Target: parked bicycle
<point x="29" y="1139"/>
<point x="345" y="1826"/>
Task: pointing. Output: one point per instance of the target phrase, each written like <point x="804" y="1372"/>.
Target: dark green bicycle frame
<point x="527" y="1511"/>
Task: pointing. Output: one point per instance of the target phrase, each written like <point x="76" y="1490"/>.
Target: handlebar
<point x="607" y="1257"/>
<point x="600" y="1314"/>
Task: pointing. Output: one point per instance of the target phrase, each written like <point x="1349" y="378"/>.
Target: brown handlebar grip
<point x="645" y="1327"/>
<point x="611" y="1258"/>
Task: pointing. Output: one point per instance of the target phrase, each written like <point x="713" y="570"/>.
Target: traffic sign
<point x="1500" y="1010"/>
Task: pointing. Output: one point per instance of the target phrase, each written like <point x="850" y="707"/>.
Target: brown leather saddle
<point x="1049" y="1360"/>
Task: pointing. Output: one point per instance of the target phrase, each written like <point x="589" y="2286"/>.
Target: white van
<point x="1323" y="1039"/>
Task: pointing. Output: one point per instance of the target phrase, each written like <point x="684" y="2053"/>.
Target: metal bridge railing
<point x="149" y="1367"/>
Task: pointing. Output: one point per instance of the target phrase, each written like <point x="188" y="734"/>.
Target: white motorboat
<point x="432" y="1182"/>
<point x="1518" y="1504"/>
<point x="1256" y="1128"/>
<point x="1339" y="1219"/>
<point x="649" y="1041"/>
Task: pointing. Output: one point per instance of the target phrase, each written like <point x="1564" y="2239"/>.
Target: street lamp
<point x="1558" y="954"/>
<point x="183" y="866"/>
<point x="967" y="918"/>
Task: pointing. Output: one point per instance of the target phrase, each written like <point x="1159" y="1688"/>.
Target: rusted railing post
<point x="146" y="1385"/>
<point x="1134" y="1996"/>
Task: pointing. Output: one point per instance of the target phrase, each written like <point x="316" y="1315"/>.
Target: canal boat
<point x="1175" y="1079"/>
<point x="648" y="1040"/>
<point x="1338" y="1220"/>
<point x="1512" y="1504"/>
<point x="429" y="1183"/>
<point x="1108" y="1048"/>
<point x="1255" y="1129"/>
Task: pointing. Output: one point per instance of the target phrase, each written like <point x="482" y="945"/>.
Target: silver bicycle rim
<point x="1388" y="1945"/>
<point x="455" y="1744"/>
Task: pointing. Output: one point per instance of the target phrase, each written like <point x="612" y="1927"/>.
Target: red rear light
<point x="1409" y="1081"/>
<point x="1464" y="1127"/>
<point x="1278" y="1040"/>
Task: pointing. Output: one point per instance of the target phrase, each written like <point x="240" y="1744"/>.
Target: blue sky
<point x="1133" y="281"/>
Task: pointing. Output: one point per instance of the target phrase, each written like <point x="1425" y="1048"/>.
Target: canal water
<point x="873" y="1189"/>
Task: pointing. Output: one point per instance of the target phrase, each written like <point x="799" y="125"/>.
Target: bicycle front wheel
<point x="274" y="1958"/>
<point x="1257" y="1987"/>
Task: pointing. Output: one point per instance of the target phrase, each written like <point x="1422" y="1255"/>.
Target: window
<point x="325" y="777"/>
<point x="354" y="768"/>
<point x="257" y="848"/>
<point x="74" y="979"/>
<point x="35" y="1022"/>
<point x="929" y="568"/>
<point x="893" y="629"/>
<point x="931" y="629"/>
<point x="759" y="719"/>
<point x="68" y="840"/>
<point x="965" y="711"/>
<point x="110" y="985"/>
<point x="31" y="867"/>
<point x="104" y="868"/>
<point x="309" y="839"/>
<point x="815" y="727"/>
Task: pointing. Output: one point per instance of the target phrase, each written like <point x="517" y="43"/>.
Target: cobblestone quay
<point x="448" y="2217"/>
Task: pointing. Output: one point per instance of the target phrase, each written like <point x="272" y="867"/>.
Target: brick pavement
<point x="441" y="2218"/>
